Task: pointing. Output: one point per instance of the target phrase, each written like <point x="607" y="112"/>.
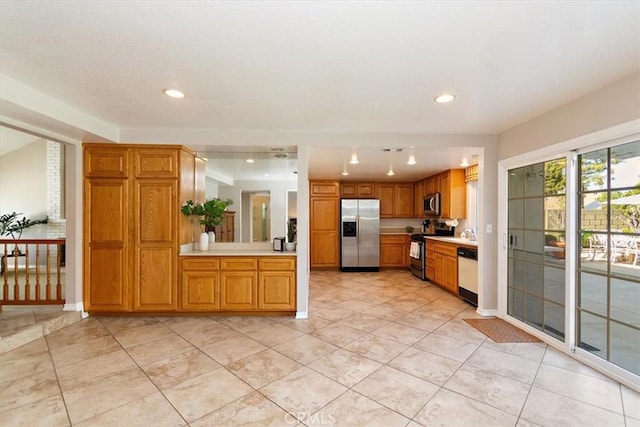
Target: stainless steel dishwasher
<point x="468" y="275"/>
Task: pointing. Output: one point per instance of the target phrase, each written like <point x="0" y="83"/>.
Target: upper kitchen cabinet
<point x="432" y="184"/>
<point x="352" y="190"/>
<point x="396" y="200"/>
<point x="324" y="207"/>
<point x="453" y="194"/>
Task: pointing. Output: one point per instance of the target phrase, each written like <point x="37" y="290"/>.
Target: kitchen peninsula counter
<point x="238" y="277"/>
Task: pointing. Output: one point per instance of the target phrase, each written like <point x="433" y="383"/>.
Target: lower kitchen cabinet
<point x="446" y="265"/>
<point x="393" y="250"/>
<point x="238" y="290"/>
<point x="430" y="271"/>
<point x="200" y="290"/>
<point x="239" y="283"/>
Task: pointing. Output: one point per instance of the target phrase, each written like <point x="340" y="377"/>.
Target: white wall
<point x="277" y="190"/>
<point x="23" y="184"/>
<point x="609" y="106"/>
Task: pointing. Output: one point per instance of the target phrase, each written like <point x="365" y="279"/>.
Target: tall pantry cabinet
<point x="133" y="228"/>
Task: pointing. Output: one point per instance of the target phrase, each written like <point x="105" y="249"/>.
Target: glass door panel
<point x="608" y="281"/>
<point x="536" y="254"/>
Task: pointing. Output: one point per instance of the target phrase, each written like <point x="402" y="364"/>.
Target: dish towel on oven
<point x="414" y="250"/>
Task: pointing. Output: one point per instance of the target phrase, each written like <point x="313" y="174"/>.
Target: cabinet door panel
<point x="349" y="191"/>
<point x="387" y="195"/>
<point x="276" y="290"/>
<point x="106" y="272"/>
<point x="201" y="290"/>
<point x="156" y="211"/>
<point x="324" y="214"/>
<point x="108" y="278"/>
<point x="156" y="163"/>
<point x="404" y="201"/>
<point x="155" y="279"/>
<point x="238" y="290"/>
<point x="325" y="249"/>
<point x="366" y="191"/>
<point x="451" y="273"/>
<point x="106" y="162"/>
<point x="324" y="188"/>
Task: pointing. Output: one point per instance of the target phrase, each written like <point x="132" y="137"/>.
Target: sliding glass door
<point x="608" y="280"/>
<point x="536" y="246"/>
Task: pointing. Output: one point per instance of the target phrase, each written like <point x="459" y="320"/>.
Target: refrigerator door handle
<point x="358" y="229"/>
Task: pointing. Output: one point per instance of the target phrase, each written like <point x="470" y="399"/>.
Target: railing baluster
<point x="38" y="298"/>
<point x="58" y="272"/>
<point x="27" y="286"/>
<point x="48" y="273"/>
<point x="5" y="273"/>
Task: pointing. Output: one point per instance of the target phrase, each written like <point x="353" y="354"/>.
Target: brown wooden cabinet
<point x="446" y="266"/>
<point x="418" y="197"/>
<point x="324" y="234"/>
<point x="404" y="201"/>
<point x="132" y="225"/>
<point x="396" y="200"/>
<point x="200" y="283"/>
<point x="277" y="283"/>
<point x="239" y="283"/>
<point x="453" y="194"/>
<point x="225" y="232"/>
<point x="394" y="250"/>
<point x="357" y="190"/>
<point x="431" y="260"/>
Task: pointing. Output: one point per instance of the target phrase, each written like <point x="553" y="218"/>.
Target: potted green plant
<point x="209" y="214"/>
<point x="214" y="212"/>
<point x="12" y="225"/>
<point x="291" y="236"/>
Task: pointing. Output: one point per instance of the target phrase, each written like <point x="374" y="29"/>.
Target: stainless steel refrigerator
<point x="360" y="235"/>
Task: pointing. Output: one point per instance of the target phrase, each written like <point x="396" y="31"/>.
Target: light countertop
<point x="235" y="249"/>
<point x="456" y="240"/>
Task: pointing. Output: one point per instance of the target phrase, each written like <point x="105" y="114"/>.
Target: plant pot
<point x="203" y="244"/>
<point x="290" y="246"/>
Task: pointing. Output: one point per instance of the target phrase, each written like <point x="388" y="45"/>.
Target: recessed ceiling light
<point x="465" y="162"/>
<point x="354" y="159"/>
<point x="174" y="93"/>
<point x="391" y="172"/>
<point x="250" y="160"/>
<point x="444" y="98"/>
<point x="412" y="160"/>
<point x="345" y="173"/>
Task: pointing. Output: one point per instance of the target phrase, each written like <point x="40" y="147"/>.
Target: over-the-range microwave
<point x="431" y="204"/>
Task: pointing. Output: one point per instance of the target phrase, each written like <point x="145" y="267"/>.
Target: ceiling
<point x="316" y="68"/>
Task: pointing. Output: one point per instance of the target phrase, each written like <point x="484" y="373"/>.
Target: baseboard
<point x="76" y="307"/>
<point x="487" y="313"/>
<point x="302" y="315"/>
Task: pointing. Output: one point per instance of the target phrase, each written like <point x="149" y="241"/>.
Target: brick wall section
<point x="57" y="227"/>
<point x="596" y="219"/>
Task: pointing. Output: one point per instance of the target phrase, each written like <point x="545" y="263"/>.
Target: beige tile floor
<point x="380" y="349"/>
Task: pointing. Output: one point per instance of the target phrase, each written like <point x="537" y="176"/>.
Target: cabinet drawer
<point x="430" y="245"/>
<point x="431" y="263"/>
<point x="446" y="249"/>
<point x="276" y="264"/>
<point x="391" y="239"/>
<point x="200" y="263"/>
<point x="239" y="264"/>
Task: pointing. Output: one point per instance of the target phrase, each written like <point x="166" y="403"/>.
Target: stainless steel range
<point x="418" y="252"/>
